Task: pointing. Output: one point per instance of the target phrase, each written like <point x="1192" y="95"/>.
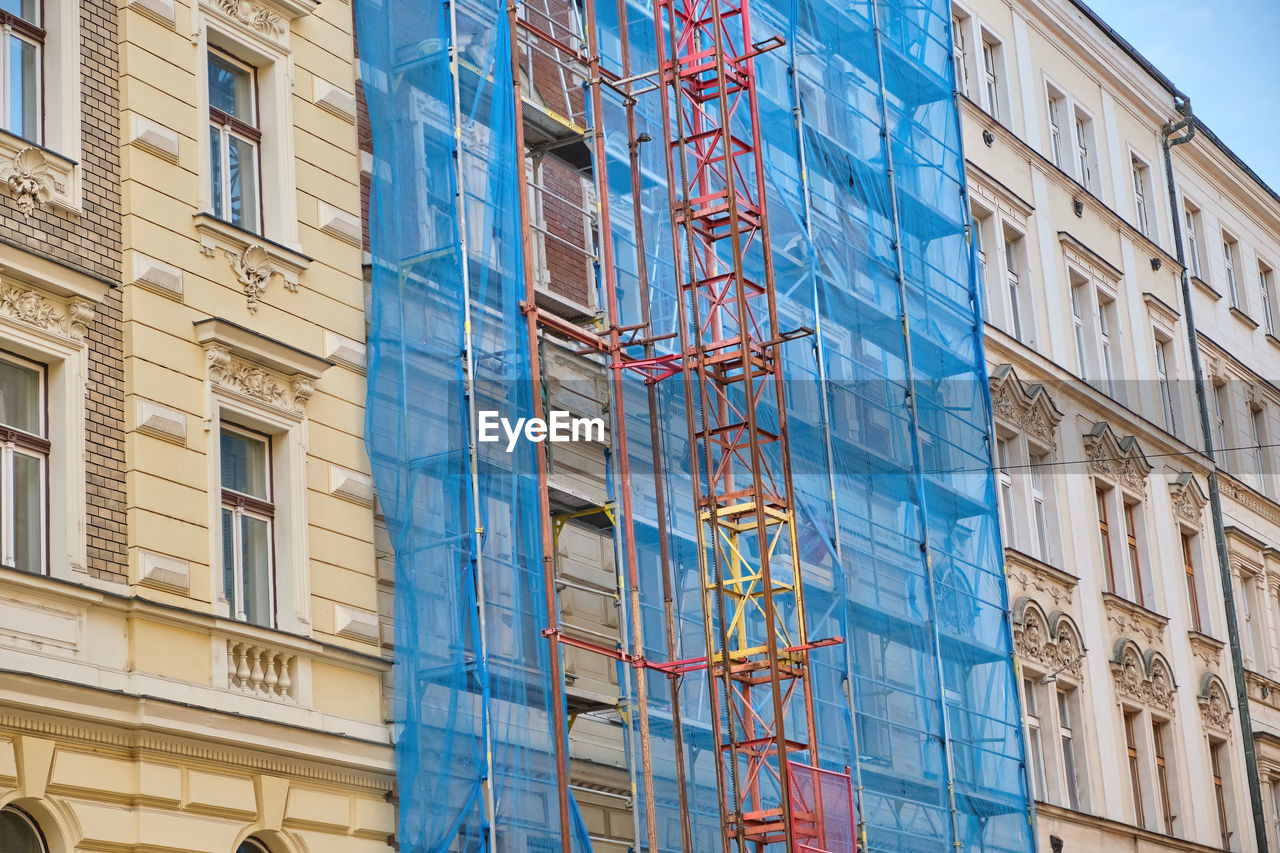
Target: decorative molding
<point x="333" y="99"/>
<point x="187" y="746"/>
<point x="1029" y="408"/>
<point x="1144" y="678"/>
<point x="1117" y="459"/>
<point x="1248" y="498"/>
<point x="1053" y="641"/>
<point x="1207" y="649"/>
<point x="165" y="572"/>
<point x="253" y="259"/>
<point x="154" y="137"/>
<point x="346" y="351"/>
<point x="253" y="381"/>
<point x="262" y="671"/>
<point x="161" y="421"/>
<point x="1031" y="574"/>
<point x="355" y="623"/>
<point x="351" y="485"/>
<point x="1188" y="499"/>
<point x="1215" y="704"/>
<point x="161" y="11"/>
<point x="32" y="307"/>
<point x="339" y="223"/>
<point x="156" y="275"/>
<point x="29" y="180"/>
<point x="254" y="270"/>
<point x="255" y="17"/>
<point x="1133" y="619"/>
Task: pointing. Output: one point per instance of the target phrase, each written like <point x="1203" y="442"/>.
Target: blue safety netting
<point x="887" y="405"/>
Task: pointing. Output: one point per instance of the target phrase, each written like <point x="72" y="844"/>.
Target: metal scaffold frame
<point x="739" y="730"/>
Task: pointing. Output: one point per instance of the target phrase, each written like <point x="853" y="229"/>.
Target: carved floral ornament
<point x="250" y="380"/>
<point x="1215" y="706"/>
<point x="35" y="309"/>
<point x="1117" y="459"/>
<point x="255" y="17"/>
<point x="29" y="180"/>
<point x="254" y="270"/>
<point x="1052" y="641"/>
<point x="1144" y="678"/>
<point x="1188" y="499"/>
<point x="1029" y="408"/>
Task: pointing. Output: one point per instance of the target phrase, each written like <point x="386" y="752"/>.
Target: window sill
<point x="1273" y="340"/>
<point x="1244" y="318"/>
<point x="45" y="178"/>
<point x="1206" y="288"/>
<point x="218" y="234"/>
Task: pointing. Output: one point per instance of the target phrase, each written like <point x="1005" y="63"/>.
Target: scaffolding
<point x="767" y="611"/>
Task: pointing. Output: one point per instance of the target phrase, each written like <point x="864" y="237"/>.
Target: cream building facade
<point x="189" y="599"/>
<point x="1134" y="736"/>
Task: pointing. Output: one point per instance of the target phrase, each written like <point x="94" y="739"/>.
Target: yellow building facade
<point x="191" y="652"/>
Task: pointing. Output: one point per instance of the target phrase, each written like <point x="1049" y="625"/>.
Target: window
<point x="235" y="139"/>
<point x="1251" y="632"/>
<point x="1015" y="290"/>
<point x="1006" y="490"/>
<point x="1039" y="505"/>
<point x="1164" y="357"/>
<point x="1141" y="194"/>
<point x="1104" y="538"/>
<point x="980" y="224"/>
<point x="247" y="518"/>
<point x="1055" y="101"/>
<point x="1220" y="792"/>
<point x="251" y="845"/>
<point x="1066" y="700"/>
<point x="1034" y="736"/>
<point x="19" y="832"/>
<point x="1192" y="216"/>
<point x="1078" y="301"/>
<point x="1189" y="568"/>
<point x="959" y="54"/>
<point x="1229" y="248"/>
<point x="1221" y="407"/>
<point x="1135" y="777"/>
<point x="991" y="74"/>
<point x="24" y="457"/>
<point x="1267" y="287"/>
<point x="1011" y="279"/>
<point x="1106" y="310"/>
<point x="1085" y="156"/>
<point x="21" y="62"/>
<point x="1159" y="733"/>
<point x="1133" y="567"/>
<point x="1258" y="439"/>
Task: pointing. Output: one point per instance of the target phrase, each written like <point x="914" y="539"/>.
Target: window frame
<point x="1189" y="541"/>
<point x="1131" y="722"/>
<point x="1161" y="730"/>
<point x="1258" y="439"/>
<point x="31" y="33"/>
<point x="1267" y="291"/>
<point x="1231" y="261"/>
<point x="992" y="74"/>
<point x="1067" y="697"/>
<point x="1191" y="217"/>
<point x="1055" y="105"/>
<point x="1031" y="710"/>
<point x="230" y="127"/>
<point x="1168" y="396"/>
<point x="14" y="441"/>
<point x="1143" y="196"/>
<point x="242" y="504"/>
<point x="1133" y="559"/>
<point x="1219" y="790"/>
<point x="26" y="817"/>
<point x="960" y="50"/>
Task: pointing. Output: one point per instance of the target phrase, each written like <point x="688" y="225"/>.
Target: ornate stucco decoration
<point x="254" y="270"/>
<point x="1030" y="576"/>
<point x="1052" y="641"/>
<point x="29" y="180"/>
<point x="229" y="373"/>
<point x="1144" y="678"/>
<point x="1215" y="706"/>
<point x="35" y="309"/>
<point x="1188" y="499"/>
<point x="255" y="17"/>
<point x="1027" y="407"/>
<point x="1133" y="620"/>
<point x="1117" y="459"/>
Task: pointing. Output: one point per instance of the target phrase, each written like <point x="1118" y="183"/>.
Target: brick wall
<point x="90" y="243"/>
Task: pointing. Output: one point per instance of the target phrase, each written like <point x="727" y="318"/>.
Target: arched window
<point x="19" y="833"/>
<point x="251" y="845"/>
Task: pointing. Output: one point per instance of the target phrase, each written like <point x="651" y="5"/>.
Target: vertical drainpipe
<point x="1168" y="141"/>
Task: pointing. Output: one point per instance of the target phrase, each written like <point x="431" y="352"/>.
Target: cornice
<point x="1091" y="258"/>
<point x="259" y="348"/>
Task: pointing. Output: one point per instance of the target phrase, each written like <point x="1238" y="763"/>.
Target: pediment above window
<point x="1215" y="703"/>
<point x="67" y="320"/>
<point x="1143" y="677"/>
<point x="260" y="19"/>
<point x="1118" y="459"/>
<point x="1052" y="641"/>
<point x="1028" y="407"/>
<point x="1188" y="499"/>
<point x="254" y="367"/>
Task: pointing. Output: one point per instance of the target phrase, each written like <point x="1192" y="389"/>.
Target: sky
<point x="1224" y="54"/>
